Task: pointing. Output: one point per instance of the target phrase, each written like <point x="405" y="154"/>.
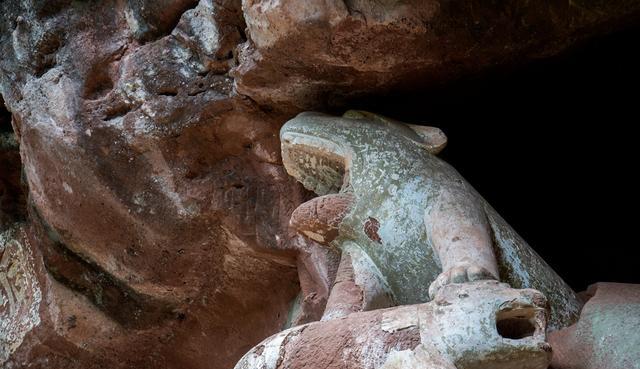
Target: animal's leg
<point x="319" y="218"/>
<point x="317" y="267"/>
<point x="317" y="221"/>
<point x="359" y="286"/>
<point x="461" y="236"/>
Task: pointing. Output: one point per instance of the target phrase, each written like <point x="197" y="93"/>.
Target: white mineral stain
<point x="67" y="188"/>
<point x="314" y="236"/>
<point x="20" y="294"/>
<point x="396" y="320"/>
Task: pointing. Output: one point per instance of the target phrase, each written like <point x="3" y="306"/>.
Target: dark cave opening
<point x="12" y="194"/>
<point x="550" y="146"/>
<point x="5" y="118"/>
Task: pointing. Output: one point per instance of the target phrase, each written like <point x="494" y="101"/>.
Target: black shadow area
<point x="552" y="146"/>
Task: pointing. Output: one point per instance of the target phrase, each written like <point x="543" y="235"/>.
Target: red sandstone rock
<point x="158" y="224"/>
<point x="607" y="336"/>
<point x="307" y="55"/>
<point x="159" y="208"/>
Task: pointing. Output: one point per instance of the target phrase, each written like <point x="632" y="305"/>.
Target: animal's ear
<point x="434" y="140"/>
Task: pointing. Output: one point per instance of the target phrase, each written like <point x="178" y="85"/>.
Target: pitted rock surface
<point x="156" y="229"/>
<point x="158" y="207"/>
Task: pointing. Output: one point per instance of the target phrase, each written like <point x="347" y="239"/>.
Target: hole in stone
<point x="46" y="55"/>
<point x="516" y="323"/>
<point x="117" y="111"/>
<point x="168" y="92"/>
<point x="98" y="83"/>
<point x="158" y="19"/>
<point x="46" y="63"/>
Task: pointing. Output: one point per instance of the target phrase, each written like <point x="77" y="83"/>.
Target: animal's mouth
<point x="518" y="321"/>
<point x="319" y="164"/>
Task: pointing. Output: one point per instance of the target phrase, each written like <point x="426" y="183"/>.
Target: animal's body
<point x="411" y="220"/>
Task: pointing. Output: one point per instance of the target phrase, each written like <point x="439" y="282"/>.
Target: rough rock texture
<point x="607" y="336"/>
<point x="310" y="54"/>
<point x="20" y="292"/>
<point x="157" y="231"/>
<point x="158" y="204"/>
<point x="476" y="325"/>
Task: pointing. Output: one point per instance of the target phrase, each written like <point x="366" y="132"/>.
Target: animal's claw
<point x="460" y="273"/>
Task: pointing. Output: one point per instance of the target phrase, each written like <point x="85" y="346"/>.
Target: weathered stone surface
<point x="317" y="267"/>
<point x="158" y="232"/>
<point x="310" y="54"/>
<point x="20" y="291"/>
<point x="607" y="334"/>
<point x="413" y="221"/>
<point x="476" y="325"/>
<point x="159" y="208"/>
<point x="150" y="19"/>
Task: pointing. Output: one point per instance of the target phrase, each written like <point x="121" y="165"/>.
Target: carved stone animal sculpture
<point x="403" y="218"/>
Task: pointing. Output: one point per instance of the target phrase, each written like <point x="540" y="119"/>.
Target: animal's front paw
<point x="320" y="218"/>
<point x="459" y="273"/>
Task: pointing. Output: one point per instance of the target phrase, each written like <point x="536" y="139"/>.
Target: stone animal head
<point x="487" y="324"/>
<point x="316" y="146"/>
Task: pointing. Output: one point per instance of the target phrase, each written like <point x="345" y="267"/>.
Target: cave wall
<point x="158" y="209"/>
<point x="158" y="206"/>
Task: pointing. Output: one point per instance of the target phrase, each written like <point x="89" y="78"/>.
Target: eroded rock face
<point x="158" y="205"/>
<point x="307" y="55"/>
<point x="606" y="336"/>
<point x="475" y="325"/>
<point x="20" y="291"/>
<point x="157" y="231"/>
